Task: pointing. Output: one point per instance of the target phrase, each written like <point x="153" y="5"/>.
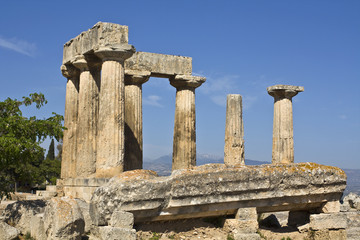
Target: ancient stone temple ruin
<point x="104" y="186"/>
<point x="103" y="107"/>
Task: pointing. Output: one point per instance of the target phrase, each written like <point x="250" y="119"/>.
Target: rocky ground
<point x="182" y="229"/>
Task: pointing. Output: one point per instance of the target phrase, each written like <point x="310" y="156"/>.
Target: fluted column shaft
<point x="283" y="137"/>
<point x="234" y="131"/>
<point x="184" y="145"/>
<point x="87" y="116"/>
<point x="133" y="119"/>
<point x="110" y="145"/>
<point x="68" y="161"/>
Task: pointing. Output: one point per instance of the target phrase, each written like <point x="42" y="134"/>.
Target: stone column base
<point x="81" y="188"/>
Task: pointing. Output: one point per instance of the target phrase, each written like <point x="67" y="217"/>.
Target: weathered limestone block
<point x="328" y="234"/>
<point x="234" y="131"/>
<point x="353" y="233"/>
<point x="8" y="232"/>
<point x="241" y="226"/>
<point x="353" y="225"/>
<point x="331" y="207"/>
<point x="352" y="201"/>
<point x="85" y="211"/>
<point x="101" y="34"/>
<point x="160" y="65"/>
<point x="116" y="233"/>
<point x="246" y="214"/>
<point x="110" y="134"/>
<point x="46" y="194"/>
<point x="68" y="160"/>
<point x="328" y="221"/>
<point x="122" y="219"/>
<point x="184" y="144"/>
<point x="82" y="188"/>
<point x="216" y="190"/>
<point x="3" y="205"/>
<point x="283" y="136"/>
<point x="245" y="221"/>
<point x="133" y="118"/>
<point x="63" y="219"/>
<point x="132" y="188"/>
<point x="353" y="219"/>
<point x="87" y="115"/>
<point x="20" y="213"/>
<point x="37" y="226"/>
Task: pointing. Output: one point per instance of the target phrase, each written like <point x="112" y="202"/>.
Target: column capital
<point x="115" y="52"/>
<point x="134" y="77"/>
<point x="69" y="71"/>
<point x="284" y="91"/>
<point x="186" y="81"/>
<point x="80" y="63"/>
<point x="86" y="62"/>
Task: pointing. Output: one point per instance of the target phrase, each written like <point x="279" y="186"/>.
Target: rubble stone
<point x="63" y="219"/>
<point x="20" y="213"/>
<point x="37" y="229"/>
<point x="328" y="221"/>
<point x="353" y="200"/>
<point x="328" y="234"/>
<point x="331" y="207"/>
<point x="122" y="219"/>
<point x="8" y="232"/>
<point x="116" y="233"/>
<point x="353" y="233"/>
<point x="85" y="211"/>
<point x="241" y="226"/>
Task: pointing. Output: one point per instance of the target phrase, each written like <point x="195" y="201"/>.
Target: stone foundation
<point x="81" y="188"/>
<point x="218" y="190"/>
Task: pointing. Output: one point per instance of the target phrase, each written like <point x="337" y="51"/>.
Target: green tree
<point x="50" y="168"/>
<point x="51" y="151"/>
<point x="59" y="147"/>
<point x="20" y="137"/>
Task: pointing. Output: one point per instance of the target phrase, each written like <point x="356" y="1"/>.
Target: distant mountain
<point x="353" y="181"/>
<point x="162" y="166"/>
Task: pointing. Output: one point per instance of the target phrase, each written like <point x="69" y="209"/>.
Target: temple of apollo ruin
<point x="102" y="145"/>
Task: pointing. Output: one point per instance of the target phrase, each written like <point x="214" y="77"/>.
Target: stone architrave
<point x="68" y="162"/>
<point x="133" y="118"/>
<point x="87" y="115"/>
<point x="234" y="131"/>
<point x="110" y="143"/>
<point x="283" y="137"/>
<point x="184" y="145"/>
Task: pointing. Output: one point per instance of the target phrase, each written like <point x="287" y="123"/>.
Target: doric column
<point x="68" y="161"/>
<point x="234" y="131"/>
<point x="133" y="118"/>
<point x="87" y="115"/>
<point x="184" y="145"/>
<point x="110" y="145"/>
<point x="283" y="137"/>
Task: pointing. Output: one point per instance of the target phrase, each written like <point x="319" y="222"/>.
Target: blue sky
<point x="240" y="46"/>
